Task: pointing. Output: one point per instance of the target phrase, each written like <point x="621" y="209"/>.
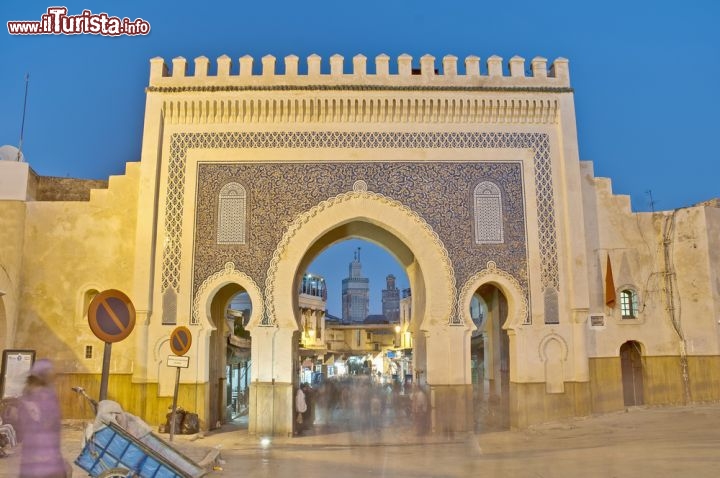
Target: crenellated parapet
<point x="336" y="71"/>
<point x="335" y="90"/>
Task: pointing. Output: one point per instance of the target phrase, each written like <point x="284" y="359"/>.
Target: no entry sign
<point x="111" y="316"/>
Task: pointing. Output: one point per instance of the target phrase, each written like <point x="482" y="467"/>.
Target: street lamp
<point x="397" y="336"/>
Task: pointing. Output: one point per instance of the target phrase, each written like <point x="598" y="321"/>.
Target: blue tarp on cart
<point x="148" y="457"/>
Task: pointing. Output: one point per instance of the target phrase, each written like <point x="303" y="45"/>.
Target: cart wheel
<point x="115" y="473"/>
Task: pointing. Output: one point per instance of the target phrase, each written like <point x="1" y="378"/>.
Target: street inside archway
<point x="356" y="370"/>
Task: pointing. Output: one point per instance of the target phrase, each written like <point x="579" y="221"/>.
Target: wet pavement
<point x="641" y="442"/>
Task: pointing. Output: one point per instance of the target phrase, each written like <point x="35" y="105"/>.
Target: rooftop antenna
<point x="652" y="201"/>
<point x="22" y="125"/>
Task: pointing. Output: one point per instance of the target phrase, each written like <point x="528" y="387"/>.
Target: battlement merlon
<point x="554" y="79"/>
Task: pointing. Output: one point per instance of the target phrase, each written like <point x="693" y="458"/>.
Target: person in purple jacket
<point x="40" y="422"/>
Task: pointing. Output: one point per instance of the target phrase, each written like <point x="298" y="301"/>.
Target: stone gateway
<point x="532" y="283"/>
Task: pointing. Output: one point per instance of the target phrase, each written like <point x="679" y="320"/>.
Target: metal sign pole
<point x="105" y="371"/>
<point x="111" y="317"/>
<point x="174" y="404"/>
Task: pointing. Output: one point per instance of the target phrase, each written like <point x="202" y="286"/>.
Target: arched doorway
<point x="491" y="354"/>
<point x="367" y="351"/>
<point x="225" y="308"/>
<point x="229" y="354"/>
<point x="632" y="373"/>
<point x="495" y="303"/>
<point x="437" y="329"/>
<point x="356" y="347"/>
<point x="237" y="369"/>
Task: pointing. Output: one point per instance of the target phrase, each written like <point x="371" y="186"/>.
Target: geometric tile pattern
<point x="438" y="192"/>
<point x="537" y="142"/>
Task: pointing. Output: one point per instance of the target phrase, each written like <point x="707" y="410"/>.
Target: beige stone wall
<point x="51" y="188"/>
<point x="670" y="258"/>
<point x="642" y="248"/>
<point x="662" y="381"/>
<point x="142" y="399"/>
<point x="71" y="248"/>
<point x="606" y="392"/>
<point x="12" y="223"/>
<point x="531" y="404"/>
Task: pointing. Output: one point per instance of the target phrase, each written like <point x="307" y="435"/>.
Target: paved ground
<point x="653" y="442"/>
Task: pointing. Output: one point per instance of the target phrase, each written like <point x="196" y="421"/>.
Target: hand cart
<point x="112" y="452"/>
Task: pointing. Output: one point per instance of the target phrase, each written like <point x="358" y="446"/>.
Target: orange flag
<point x="609" y="285"/>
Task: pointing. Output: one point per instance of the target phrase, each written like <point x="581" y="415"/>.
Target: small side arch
<point x="545" y="343"/>
<point x="553" y="352"/>
<point x="201" y="313"/>
<point x="508" y="285"/>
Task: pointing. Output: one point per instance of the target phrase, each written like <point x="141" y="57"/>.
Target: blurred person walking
<point x="419" y="409"/>
<point x="40" y="424"/>
<point x="301" y="409"/>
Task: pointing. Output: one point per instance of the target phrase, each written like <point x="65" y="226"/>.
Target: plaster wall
<point x="14" y="178"/>
<point x="71" y="248"/>
<point x="12" y="223"/>
<point x="642" y="247"/>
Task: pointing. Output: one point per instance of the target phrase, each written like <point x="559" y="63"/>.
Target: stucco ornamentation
<point x="492" y="274"/>
<point x="441" y="192"/>
<point x="280" y="251"/>
<point x="228" y="274"/>
<point x="430" y="192"/>
<point x="542" y="346"/>
<point x="360" y="186"/>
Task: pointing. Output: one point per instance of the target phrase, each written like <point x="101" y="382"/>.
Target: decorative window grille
<point x="232" y="205"/>
<point x="488" y="214"/>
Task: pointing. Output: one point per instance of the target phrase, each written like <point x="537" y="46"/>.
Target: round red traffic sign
<point x="180" y="340"/>
<point x="111" y="316"/>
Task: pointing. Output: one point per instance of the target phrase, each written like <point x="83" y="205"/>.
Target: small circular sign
<point x="180" y="340"/>
<point x="111" y="316"/>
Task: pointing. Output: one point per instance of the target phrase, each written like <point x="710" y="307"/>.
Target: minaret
<point x="356" y="266"/>
<point x="391" y="300"/>
<point x="355" y="293"/>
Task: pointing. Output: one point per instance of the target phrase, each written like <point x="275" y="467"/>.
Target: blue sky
<point x="645" y="73"/>
<point x="333" y="264"/>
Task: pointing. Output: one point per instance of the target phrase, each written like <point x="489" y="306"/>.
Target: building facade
<point x="469" y="176"/>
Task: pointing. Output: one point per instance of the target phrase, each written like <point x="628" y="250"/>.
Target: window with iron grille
<point x="488" y="214"/>
<point x="232" y="214"/>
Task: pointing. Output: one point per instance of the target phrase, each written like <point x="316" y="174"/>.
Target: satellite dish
<point x="10" y="153"/>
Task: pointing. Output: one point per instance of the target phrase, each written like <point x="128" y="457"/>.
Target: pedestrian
<point x="40" y="423"/>
<point x="419" y="409"/>
<point x="376" y="411"/>
<point x="301" y="408"/>
<point x="309" y="414"/>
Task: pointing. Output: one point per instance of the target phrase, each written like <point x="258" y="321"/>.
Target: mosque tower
<point x="355" y="293"/>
